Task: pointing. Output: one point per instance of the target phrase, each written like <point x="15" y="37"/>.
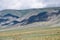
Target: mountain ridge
<point x="37" y="17"/>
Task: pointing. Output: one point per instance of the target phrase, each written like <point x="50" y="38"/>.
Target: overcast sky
<point x="27" y="4"/>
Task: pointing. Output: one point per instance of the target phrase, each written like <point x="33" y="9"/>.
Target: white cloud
<point x="38" y="5"/>
<point x="52" y="3"/>
<point x="10" y="4"/>
<point x="23" y="4"/>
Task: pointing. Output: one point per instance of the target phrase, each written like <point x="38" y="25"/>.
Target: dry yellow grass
<point x="31" y="34"/>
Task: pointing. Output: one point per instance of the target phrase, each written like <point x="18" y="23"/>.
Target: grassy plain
<point x="35" y="33"/>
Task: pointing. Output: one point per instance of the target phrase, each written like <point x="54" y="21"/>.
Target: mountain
<point x="30" y="17"/>
<point x="11" y="23"/>
<point x="3" y="20"/>
<point x="8" y="19"/>
<point x="10" y="15"/>
<point x="41" y="17"/>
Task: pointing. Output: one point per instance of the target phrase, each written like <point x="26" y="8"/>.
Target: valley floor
<point x="35" y="33"/>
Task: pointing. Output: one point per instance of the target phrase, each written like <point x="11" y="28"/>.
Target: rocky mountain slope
<point x="30" y="18"/>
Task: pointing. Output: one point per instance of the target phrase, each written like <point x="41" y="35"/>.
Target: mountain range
<point x="30" y="17"/>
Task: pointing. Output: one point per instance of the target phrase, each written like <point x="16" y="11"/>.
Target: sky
<point x="27" y="4"/>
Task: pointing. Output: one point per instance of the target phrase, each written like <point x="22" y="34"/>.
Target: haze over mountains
<point x="30" y="17"/>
